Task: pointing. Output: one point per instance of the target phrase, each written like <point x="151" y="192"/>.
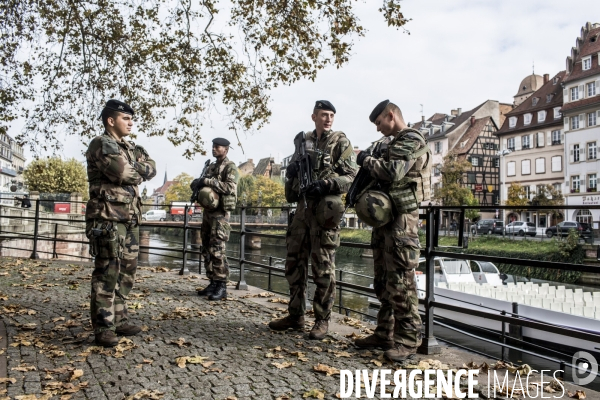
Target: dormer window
<point x="555" y="80"/>
<point x="512" y="122"/>
<point x="541" y="116"/>
<point x="535" y="101"/>
<point x="527" y="119"/>
<point x="549" y="97"/>
<point x="586" y="63"/>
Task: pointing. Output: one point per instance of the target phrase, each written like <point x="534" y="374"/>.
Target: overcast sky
<point x="458" y="54"/>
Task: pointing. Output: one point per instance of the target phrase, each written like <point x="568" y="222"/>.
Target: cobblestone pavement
<point x="190" y="348"/>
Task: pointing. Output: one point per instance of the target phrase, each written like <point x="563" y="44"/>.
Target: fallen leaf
<point x="283" y="365"/>
<point x="314" y="393"/>
<point x="8" y="380"/>
<point x="180" y="342"/>
<point x="146" y="394"/>
<point x="326" y="369"/>
<point x="76" y="374"/>
<point x="579" y="394"/>
<point x="24" y="368"/>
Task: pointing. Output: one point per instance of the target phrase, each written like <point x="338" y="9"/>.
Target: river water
<point x="353" y="269"/>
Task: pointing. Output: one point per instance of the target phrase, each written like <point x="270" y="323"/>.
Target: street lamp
<point x="503" y="194"/>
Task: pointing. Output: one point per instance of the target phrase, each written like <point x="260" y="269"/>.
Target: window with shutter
<point x="574" y="122"/>
<point x="591" y="153"/>
<point x="525" y="167"/>
<point x="591" y="89"/>
<point x="540" y="165"/>
<point x="557" y="164"/>
<point x="581" y="120"/>
<point x="575" y="184"/>
<point x="581" y="91"/>
<point x="517" y="144"/>
<point x="531" y="140"/>
<point x="571" y="154"/>
<point x="503" y="144"/>
<point x="591" y="119"/>
<point x="510" y="168"/>
<point x="574" y="93"/>
<point x="576" y="153"/>
<point x="598" y="86"/>
<point x="549" y="138"/>
<point x="566" y="123"/>
<point x="565" y="96"/>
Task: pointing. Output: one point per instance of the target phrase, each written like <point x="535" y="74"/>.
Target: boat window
<point x="488" y="267"/>
<point x="454" y="266"/>
<point x="474" y="266"/>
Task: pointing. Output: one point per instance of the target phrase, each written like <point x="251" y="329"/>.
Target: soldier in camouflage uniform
<point x="115" y="168"/>
<point x="404" y="174"/>
<point x="222" y="177"/>
<point x="334" y="168"/>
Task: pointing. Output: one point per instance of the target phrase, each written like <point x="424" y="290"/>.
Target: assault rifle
<point x="363" y="177"/>
<point x="304" y="168"/>
<point x="196" y="188"/>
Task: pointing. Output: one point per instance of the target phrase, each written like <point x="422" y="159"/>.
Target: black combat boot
<point x="288" y="322"/>
<point x="106" y="339"/>
<point x="319" y="329"/>
<point x="372" y="341"/>
<point x="128" y="330"/>
<point x="220" y="291"/>
<point x="207" y="291"/>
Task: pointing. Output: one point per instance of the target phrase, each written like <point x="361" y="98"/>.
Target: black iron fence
<point x="506" y="339"/>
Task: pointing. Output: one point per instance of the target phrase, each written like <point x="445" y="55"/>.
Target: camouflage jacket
<point x="115" y="169"/>
<point x="407" y="159"/>
<point x="332" y="159"/>
<point x="223" y="177"/>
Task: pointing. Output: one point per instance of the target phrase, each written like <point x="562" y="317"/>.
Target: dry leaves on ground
<point x="24" y="368"/>
<point x="285" y="364"/>
<point x="263" y="294"/>
<point x="146" y="394"/>
<point x="8" y="380"/>
<point x="33" y="397"/>
<point x="483" y="367"/>
<point x="314" y="393"/>
<point x="326" y="369"/>
<point x="180" y="342"/>
<point x="279" y="300"/>
<point x="182" y="361"/>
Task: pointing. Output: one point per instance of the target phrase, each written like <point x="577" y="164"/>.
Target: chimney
<point x="546" y="78"/>
<point x="250" y="160"/>
<point x="454" y="112"/>
<point x="472" y="120"/>
<point x="422" y="118"/>
<point x="458" y="112"/>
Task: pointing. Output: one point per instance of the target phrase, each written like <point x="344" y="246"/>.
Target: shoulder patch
<point x="110" y="147"/>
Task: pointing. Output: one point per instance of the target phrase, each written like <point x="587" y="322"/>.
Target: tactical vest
<point x="415" y="186"/>
<point x="321" y="160"/>
<point x="227" y="201"/>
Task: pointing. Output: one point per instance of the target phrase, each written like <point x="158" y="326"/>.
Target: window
<point x="510" y="168"/>
<point x="525" y="142"/>
<point x="575" y="153"/>
<point x="497" y="162"/>
<point x="575" y="93"/>
<point x="549" y="97"/>
<point x="575" y="184"/>
<point x="557" y="187"/>
<point x="591" y="151"/>
<point x="540" y="165"/>
<point x="540" y="139"/>
<point x="557" y="113"/>
<point x="471" y="177"/>
<point x="528" y="192"/>
<point x="591" y="119"/>
<point x="475" y="161"/>
<point x="535" y="101"/>
<point x="438" y="147"/>
<point x="591" y="89"/>
<point x="574" y="122"/>
<point x="512" y="122"/>
<point x="584" y="216"/>
<point x="586" y="63"/>
<point x="436" y="170"/>
<point x="556" y="137"/>
<point x="541" y="116"/>
<point x="510" y="144"/>
<point x="527" y="119"/>
<point x="592" y="181"/>
<point x="557" y="164"/>
<point x="525" y="167"/>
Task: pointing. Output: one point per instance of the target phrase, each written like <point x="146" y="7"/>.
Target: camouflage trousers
<point x="215" y="233"/>
<point x="396" y="255"/>
<point x="306" y="239"/>
<point x="112" y="280"/>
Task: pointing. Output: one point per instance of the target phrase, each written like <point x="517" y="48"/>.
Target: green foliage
<point x="55" y="175"/>
<point x="548" y="195"/>
<point x="272" y="191"/>
<point x="180" y="190"/>
<point x="172" y="61"/>
<point x="452" y="192"/>
<point x="569" y="245"/>
<point x="470" y="200"/>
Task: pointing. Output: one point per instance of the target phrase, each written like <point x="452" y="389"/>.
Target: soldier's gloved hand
<point x="196" y="183"/>
<point x="291" y="170"/>
<point x="318" y="188"/>
<point x="205" y="182"/>
<point x="362" y="156"/>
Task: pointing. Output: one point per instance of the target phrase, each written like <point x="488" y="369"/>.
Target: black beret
<point x="117" y="105"/>
<point x="324" y="105"/>
<point x="378" y="110"/>
<point x="221" y="141"/>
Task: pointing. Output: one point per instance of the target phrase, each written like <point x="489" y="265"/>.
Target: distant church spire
<point x="165" y="177"/>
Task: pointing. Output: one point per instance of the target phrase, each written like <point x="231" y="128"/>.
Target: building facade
<point x="581" y="112"/>
<point x="12" y="164"/>
<point x="532" y="141"/>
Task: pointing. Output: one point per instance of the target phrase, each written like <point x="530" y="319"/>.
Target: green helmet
<point x="329" y="211"/>
<point x="374" y="208"/>
<point x="208" y="198"/>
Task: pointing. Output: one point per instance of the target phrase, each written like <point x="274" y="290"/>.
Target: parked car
<point x="155" y="215"/>
<point x="521" y="228"/>
<point x="488" y="226"/>
<point x="563" y="228"/>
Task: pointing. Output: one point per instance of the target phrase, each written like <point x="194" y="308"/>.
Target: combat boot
<point x="128" y="330"/>
<point x="372" y="341"/>
<point x="319" y="329"/>
<point x="400" y="353"/>
<point x="207" y="291"/>
<point x="220" y="291"/>
<point x="291" y="321"/>
<point x="106" y="339"/>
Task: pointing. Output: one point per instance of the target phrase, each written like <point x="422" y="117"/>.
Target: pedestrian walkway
<point x="190" y="348"/>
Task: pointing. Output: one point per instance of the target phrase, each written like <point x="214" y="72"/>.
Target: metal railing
<point x="433" y="249"/>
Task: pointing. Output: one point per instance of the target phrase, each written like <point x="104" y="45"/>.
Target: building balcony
<point x="591" y="189"/>
<point x="8" y="171"/>
<point x="574" y="190"/>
